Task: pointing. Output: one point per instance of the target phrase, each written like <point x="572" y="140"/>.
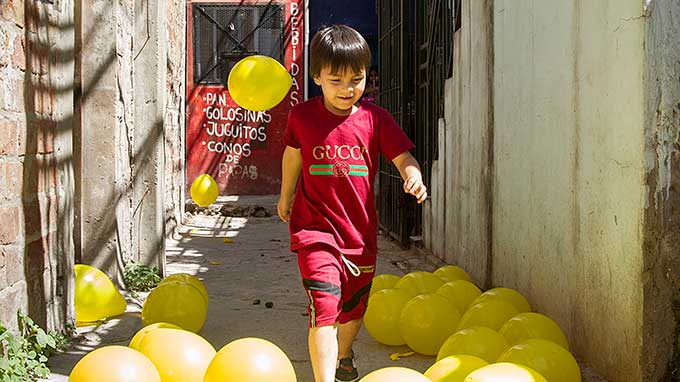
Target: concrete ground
<point x="253" y="265"/>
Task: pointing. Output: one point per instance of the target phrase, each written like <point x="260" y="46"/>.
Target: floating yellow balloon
<point x="139" y="336"/>
<point x="508" y="295"/>
<point x="383" y="314"/>
<point x="478" y="341"/>
<point x="114" y="364"/>
<point x="258" y="83"/>
<point x="460" y="292"/>
<point x="250" y="360"/>
<point x="454" y="368"/>
<point x="177" y="303"/>
<point x="490" y="313"/>
<point x="419" y="282"/>
<point x="426" y="321"/>
<point x="383" y="281"/>
<point x="546" y="357"/>
<point x="96" y="298"/>
<point x="204" y="190"/>
<point x="395" y="374"/>
<point x="179" y="355"/>
<point x="191" y="279"/>
<point x="452" y="273"/>
<point x="505" y="372"/>
<point x="530" y="325"/>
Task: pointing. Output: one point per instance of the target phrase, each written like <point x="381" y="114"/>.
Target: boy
<point x="334" y="140"/>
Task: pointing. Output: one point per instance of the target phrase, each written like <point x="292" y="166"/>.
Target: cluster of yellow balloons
<point x="167" y="348"/>
<point x="476" y="337"/>
<point x="161" y="353"/>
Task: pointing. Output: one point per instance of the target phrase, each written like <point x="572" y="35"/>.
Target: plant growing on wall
<point x="23" y="357"/>
<point x="140" y="278"/>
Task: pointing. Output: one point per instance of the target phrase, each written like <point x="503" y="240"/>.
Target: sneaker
<point x="346" y="370"/>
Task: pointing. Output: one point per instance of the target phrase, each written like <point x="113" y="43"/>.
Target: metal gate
<point x="396" y="211"/>
<point x="416" y="56"/>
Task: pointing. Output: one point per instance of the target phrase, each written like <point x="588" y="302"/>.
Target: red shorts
<point x="335" y="294"/>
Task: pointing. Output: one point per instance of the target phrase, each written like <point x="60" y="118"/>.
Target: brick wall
<point x="30" y="278"/>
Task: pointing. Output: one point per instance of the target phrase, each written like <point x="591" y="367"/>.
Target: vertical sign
<point x="240" y="148"/>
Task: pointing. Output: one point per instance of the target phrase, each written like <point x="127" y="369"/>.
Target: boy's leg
<point x="323" y="352"/>
<point x="321" y="272"/>
<point x="347" y="332"/>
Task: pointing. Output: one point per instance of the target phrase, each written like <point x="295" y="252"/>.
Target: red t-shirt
<point x="334" y="201"/>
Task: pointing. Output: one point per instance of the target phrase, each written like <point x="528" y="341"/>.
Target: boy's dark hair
<point x="340" y="47"/>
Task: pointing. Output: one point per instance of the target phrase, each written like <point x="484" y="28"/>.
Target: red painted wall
<point x="241" y="149"/>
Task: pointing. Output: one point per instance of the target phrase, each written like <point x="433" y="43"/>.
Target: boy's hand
<point x="414" y="186"/>
<point x="283" y="208"/>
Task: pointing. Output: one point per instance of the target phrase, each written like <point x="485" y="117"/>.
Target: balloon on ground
<point x="395" y="374"/>
<point x="427" y="321"/>
<point x="525" y="326"/>
<point x="117" y="364"/>
<point x="96" y="298"/>
<point x="177" y="303"/>
<point x="505" y="372"/>
<point x="250" y="360"/>
<point x="383" y="314"/>
<point x="478" y="341"/>
<point x="546" y="357"/>
<point x="454" y="368"/>
<point x="383" y="281"/>
<point x="258" y="83"/>
<point x="179" y="355"/>
<point x="191" y="279"/>
<point x="460" y="292"/>
<point x="139" y="336"/>
<point x="508" y="295"/>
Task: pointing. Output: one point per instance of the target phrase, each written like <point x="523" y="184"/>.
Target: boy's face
<point x="341" y="90"/>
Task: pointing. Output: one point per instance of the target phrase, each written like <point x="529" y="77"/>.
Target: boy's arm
<point x="413" y="179"/>
<point x="290" y="168"/>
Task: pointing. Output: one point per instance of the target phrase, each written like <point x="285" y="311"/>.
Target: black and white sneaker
<point x="346" y="370"/>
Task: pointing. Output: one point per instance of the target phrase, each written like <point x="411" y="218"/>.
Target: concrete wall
<point x="569" y="170"/>
<point x="661" y="263"/>
<point x="561" y="170"/>
<point x="91" y="127"/>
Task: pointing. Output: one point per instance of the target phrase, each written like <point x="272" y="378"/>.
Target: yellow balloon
<point x="191" y="279"/>
<point x="139" y="336"/>
<point x="395" y="374"/>
<point x="204" y="190"/>
<point x="508" y="295"/>
<point x="452" y="273"/>
<point x="250" y="360"/>
<point x="258" y="83"/>
<point x="177" y="303"/>
<point x="382" y="316"/>
<point x="426" y="321"/>
<point x="546" y="357"/>
<point x="505" y="372"/>
<point x="179" y="355"/>
<point x="490" y="313"/>
<point x="96" y="298"/>
<point x="530" y="325"/>
<point x="383" y="281"/>
<point x="478" y="341"/>
<point x="454" y="368"/>
<point x="114" y="364"/>
<point x="460" y="292"/>
<point x="419" y="282"/>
